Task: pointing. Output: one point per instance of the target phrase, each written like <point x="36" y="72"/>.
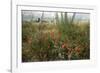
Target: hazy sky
<point x="27" y="15"/>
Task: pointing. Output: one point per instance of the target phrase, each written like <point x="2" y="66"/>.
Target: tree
<point x="62" y="18"/>
<point x="73" y="17"/>
<point x="66" y="18"/>
<point x="57" y="18"/>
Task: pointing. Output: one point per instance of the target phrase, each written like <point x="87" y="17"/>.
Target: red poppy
<point x="77" y="49"/>
<point x="63" y="45"/>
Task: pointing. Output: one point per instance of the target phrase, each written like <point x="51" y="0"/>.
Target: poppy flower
<point x="63" y="45"/>
<point x="77" y="49"/>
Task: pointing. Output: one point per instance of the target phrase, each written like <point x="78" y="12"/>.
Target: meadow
<point x="63" y="40"/>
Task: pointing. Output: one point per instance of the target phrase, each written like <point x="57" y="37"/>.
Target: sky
<point x="28" y="15"/>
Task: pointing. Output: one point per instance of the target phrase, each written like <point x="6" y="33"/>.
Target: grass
<point x="48" y="42"/>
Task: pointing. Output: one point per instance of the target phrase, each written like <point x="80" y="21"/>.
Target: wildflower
<point x="63" y="45"/>
<point x="77" y="49"/>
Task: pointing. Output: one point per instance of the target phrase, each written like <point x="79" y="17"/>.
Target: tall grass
<point x="63" y="41"/>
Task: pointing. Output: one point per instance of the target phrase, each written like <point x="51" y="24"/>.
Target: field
<point x="62" y="39"/>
